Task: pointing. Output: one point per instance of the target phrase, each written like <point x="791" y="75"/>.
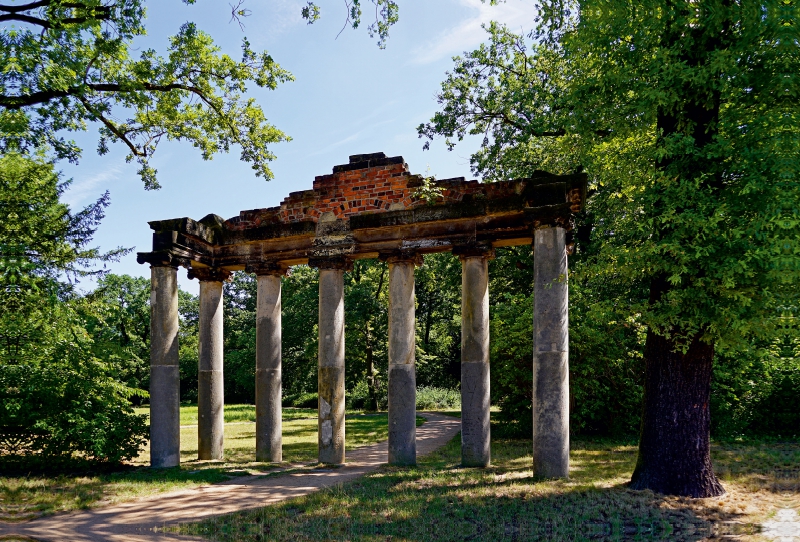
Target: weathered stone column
<point x="268" y="363"/>
<point x="402" y="344"/>
<point x="475" y="402"/>
<point x="550" y="354"/>
<point x="165" y="425"/>
<point x="331" y="359"/>
<point x="210" y="394"/>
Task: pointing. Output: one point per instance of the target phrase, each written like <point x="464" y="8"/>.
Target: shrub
<point x="359" y="399"/>
<point x="66" y="408"/>
<point x="306" y="400"/>
<point x="59" y="401"/>
<point x="430" y="398"/>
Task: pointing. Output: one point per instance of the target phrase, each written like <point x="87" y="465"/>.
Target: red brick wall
<point x="363" y="186"/>
<point x="348" y="193"/>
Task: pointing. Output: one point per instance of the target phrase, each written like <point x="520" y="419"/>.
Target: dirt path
<point x="142" y="520"/>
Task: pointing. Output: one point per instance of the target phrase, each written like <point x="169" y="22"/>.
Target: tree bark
<point x="674" y="446"/>
<point x="372" y="392"/>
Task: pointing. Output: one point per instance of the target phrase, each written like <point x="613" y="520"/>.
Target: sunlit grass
<point x="25" y="497"/>
<point x="236" y="413"/>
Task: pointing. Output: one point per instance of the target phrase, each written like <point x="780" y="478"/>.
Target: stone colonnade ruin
<point x="368" y="208"/>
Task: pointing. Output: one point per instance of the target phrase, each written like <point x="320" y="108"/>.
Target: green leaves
<point x="679" y="112"/>
<point x="387" y="13"/>
<point x="77" y="68"/>
<point x="60" y="389"/>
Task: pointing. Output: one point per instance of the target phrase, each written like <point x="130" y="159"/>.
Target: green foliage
<point x="367" y="329"/>
<point x="59" y="400"/>
<point x="387" y="13"/>
<point x="299" y="295"/>
<point x="438" y="289"/>
<point x="753" y="393"/>
<point x="359" y="397"/>
<point x="67" y="64"/>
<point x="306" y="400"/>
<point x="300" y="300"/>
<point x="685" y="117"/>
<point x="71" y="64"/>
<point x="64" y="403"/>
<point x="575" y="95"/>
<point x="119" y="325"/>
<point x="240" y="338"/>
<point x="430" y="398"/>
<point x="605" y="351"/>
<point x="188" y="340"/>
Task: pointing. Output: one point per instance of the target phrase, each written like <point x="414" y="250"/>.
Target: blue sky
<point x="349" y="97"/>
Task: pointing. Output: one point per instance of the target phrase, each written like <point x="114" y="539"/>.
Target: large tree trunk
<point x="674" y="447"/>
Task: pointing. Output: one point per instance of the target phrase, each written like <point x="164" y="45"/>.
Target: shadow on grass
<point x="440" y="501"/>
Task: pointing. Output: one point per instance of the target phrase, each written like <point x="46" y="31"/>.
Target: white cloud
<point x="285" y="15"/>
<point x="354" y="137"/>
<point x="271" y="19"/>
<point x="337" y="144"/>
<point x="83" y="189"/>
<point x="516" y="14"/>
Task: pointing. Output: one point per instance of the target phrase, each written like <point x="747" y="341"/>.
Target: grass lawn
<point x="27" y="497"/>
<point x="239" y="413"/>
<point x="439" y="501"/>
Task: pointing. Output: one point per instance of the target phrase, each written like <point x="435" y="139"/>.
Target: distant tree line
<point x="752" y="390"/>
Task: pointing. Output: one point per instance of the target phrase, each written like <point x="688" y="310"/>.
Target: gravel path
<point x="143" y="520"/>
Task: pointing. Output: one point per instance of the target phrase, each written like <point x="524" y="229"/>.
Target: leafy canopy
<point x="66" y="63"/>
<point x="685" y="115"/>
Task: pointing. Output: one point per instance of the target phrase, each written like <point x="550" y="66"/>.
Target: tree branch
<point x="25" y="7"/>
<point x="26" y="19"/>
<point x="16" y="13"/>
<point x="112" y="127"/>
<point x="18" y="102"/>
<point x="46" y="3"/>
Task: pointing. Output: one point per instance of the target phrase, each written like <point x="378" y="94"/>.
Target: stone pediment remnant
<point x="367" y="207"/>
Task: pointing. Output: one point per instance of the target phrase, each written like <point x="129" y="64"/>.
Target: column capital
<point x="331" y="262"/>
<point x="209" y="274"/>
<point x="270" y="267"/>
<point x="161" y="259"/>
<point x="401" y="255"/>
<point x="556" y="220"/>
<point x="475" y="250"/>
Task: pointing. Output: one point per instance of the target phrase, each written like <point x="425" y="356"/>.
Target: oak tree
<point x="685" y="115"/>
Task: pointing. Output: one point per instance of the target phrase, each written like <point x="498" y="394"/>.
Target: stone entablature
<point x="368" y="207"/>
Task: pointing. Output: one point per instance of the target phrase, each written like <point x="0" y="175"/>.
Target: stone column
<point x="402" y="376"/>
<point x="165" y="425"/>
<point x="475" y="402"/>
<point x="331" y="360"/>
<point x="268" y="363"/>
<point x="550" y="354"/>
<point x="210" y="399"/>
